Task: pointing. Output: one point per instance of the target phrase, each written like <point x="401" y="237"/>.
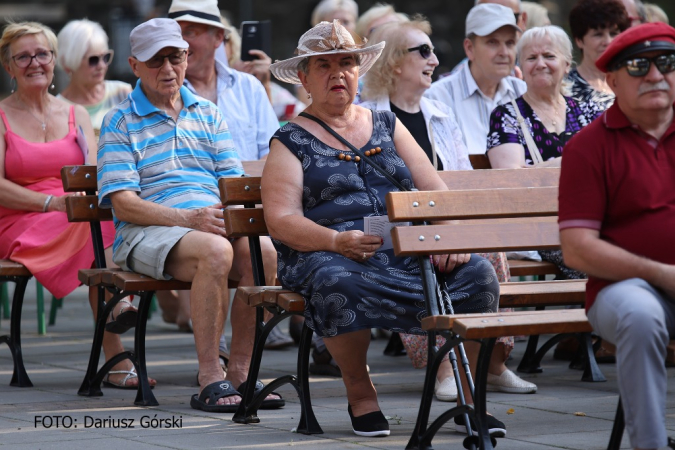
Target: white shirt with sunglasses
<point x="247" y="111"/>
<point x="472" y="108"/>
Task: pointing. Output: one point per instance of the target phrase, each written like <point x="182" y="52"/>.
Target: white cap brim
<point x="151" y="51"/>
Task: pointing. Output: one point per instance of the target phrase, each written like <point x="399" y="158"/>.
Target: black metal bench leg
<point x="89" y="387"/>
<point x="19" y="376"/>
<point x="419" y="440"/>
<point x="308" y="423"/>
<point x="479" y="394"/>
<point x="591" y="370"/>
<point x="529" y="363"/>
<point x="144" y="395"/>
<point x="243" y="414"/>
<point x="617" y="429"/>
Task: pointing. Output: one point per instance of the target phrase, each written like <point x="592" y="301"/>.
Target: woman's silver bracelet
<point x="47" y="201"/>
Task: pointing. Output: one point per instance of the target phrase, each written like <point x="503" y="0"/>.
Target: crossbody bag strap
<point x="325" y="126"/>
<point x="531" y="146"/>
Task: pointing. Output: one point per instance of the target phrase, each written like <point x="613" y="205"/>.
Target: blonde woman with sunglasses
<point x="85" y="57"/>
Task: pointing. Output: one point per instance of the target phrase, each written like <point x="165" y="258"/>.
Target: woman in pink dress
<point x="41" y="134"/>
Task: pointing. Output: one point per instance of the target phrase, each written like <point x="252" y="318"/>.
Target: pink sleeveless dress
<point x="52" y="248"/>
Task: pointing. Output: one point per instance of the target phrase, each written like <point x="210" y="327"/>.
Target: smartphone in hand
<point x="255" y="35"/>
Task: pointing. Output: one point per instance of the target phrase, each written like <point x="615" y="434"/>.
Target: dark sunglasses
<point x="639" y="67"/>
<point x="106" y="57"/>
<point x="517" y="16"/>
<point x="425" y="50"/>
<point x="174" y="59"/>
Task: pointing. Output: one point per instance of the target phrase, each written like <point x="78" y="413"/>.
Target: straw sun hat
<point x="325" y="39"/>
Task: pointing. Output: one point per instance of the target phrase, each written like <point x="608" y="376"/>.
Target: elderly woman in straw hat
<point x="317" y="193"/>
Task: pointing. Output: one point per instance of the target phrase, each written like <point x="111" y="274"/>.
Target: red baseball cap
<point x="643" y="38"/>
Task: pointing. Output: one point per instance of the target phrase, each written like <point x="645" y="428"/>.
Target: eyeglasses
<point x="24" y="60"/>
<point x="639" y="67"/>
<point x="517" y="16"/>
<point x="425" y="50"/>
<point x="105" y="57"/>
<point x="174" y="59"/>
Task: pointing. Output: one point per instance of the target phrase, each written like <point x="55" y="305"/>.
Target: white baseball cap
<point x="150" y="37"/>
<point x="487" y="18"/>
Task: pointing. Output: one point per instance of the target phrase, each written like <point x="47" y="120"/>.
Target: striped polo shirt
<point x="175" y="163"/>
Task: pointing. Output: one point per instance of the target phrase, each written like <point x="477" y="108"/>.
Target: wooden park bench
<point x="485" y="220"/>
<point x="491" y="219"/>
<point x="116" y="282"/>
<point x="249" y="222"/>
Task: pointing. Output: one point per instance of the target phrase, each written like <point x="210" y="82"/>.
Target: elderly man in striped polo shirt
<point x="161" y="152"/>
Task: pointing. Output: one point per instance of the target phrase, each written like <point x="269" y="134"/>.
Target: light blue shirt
<point x="243" y="101"/>
<point x="175" y="163"/>
<point x="472" y="108"/>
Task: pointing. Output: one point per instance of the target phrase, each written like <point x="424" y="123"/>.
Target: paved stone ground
<point x="565" y="413"/>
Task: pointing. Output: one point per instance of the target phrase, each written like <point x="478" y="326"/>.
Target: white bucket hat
<point x="325" y="39"/>
<point x="198" y="11"/>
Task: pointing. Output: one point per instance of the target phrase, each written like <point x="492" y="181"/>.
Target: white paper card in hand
<point x="380" y="226"/>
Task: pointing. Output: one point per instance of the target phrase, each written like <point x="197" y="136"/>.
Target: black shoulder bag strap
<point x="355" y="150"/>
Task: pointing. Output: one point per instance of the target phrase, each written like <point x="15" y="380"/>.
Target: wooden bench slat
<point x="480" y="161"/>
<point x="444" y="322"/>
<point x="472" y="204"/>
<point x="130" y="281"/>
<point x="542" y="293"/>
<point x="543" y="322"/>
<point x="500" y="178"/>
<point x="85" y="209"/>
<point x="476" y="237"/>
<point x="241" y="222"/>
<point x="239" y="190"/>
<point x="292" y="302"/>
<point x="94" y="277"/>
<point x="13" y="269"/>
<point x="523" y="268"/>
<point x="79" y="178"/>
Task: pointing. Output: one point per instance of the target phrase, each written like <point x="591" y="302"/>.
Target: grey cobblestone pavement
<point x="565" y="413"/>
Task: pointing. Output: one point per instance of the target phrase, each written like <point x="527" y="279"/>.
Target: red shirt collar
<point x="614" y="118"/>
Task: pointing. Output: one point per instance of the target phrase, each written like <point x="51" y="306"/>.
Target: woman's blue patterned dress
<point x="384" y="291"/>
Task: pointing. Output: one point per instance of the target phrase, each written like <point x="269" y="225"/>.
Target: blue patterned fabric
<point x="384" y="291"/>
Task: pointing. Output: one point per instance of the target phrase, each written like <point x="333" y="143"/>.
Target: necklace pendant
<point x="44" y="126"/>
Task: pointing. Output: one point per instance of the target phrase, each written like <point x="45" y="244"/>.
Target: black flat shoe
<point x="373" y="424"/>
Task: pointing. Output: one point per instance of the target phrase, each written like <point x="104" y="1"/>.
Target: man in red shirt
<point x="617" y="220"/>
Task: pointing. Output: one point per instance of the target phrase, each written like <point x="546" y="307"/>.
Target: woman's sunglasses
<point x="639" y="67"/>
<point x="425" y="50"/>
<point x="106" y="57"/>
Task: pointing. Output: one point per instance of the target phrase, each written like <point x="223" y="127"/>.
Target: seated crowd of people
<point x="197" y="111"/>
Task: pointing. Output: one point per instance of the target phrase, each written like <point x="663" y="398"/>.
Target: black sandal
<point x="267" y="403"/>
<point x="125" y="320"/>
<point x="213" y="392"/>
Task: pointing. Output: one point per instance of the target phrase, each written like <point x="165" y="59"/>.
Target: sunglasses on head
<point x="425" y="50"/>
<point x="105" y="57"/>
<point x="639" y="67"/>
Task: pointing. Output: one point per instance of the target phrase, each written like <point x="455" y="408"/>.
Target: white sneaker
<point x="509" y="382"/>
<point x="446" y="391"/>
